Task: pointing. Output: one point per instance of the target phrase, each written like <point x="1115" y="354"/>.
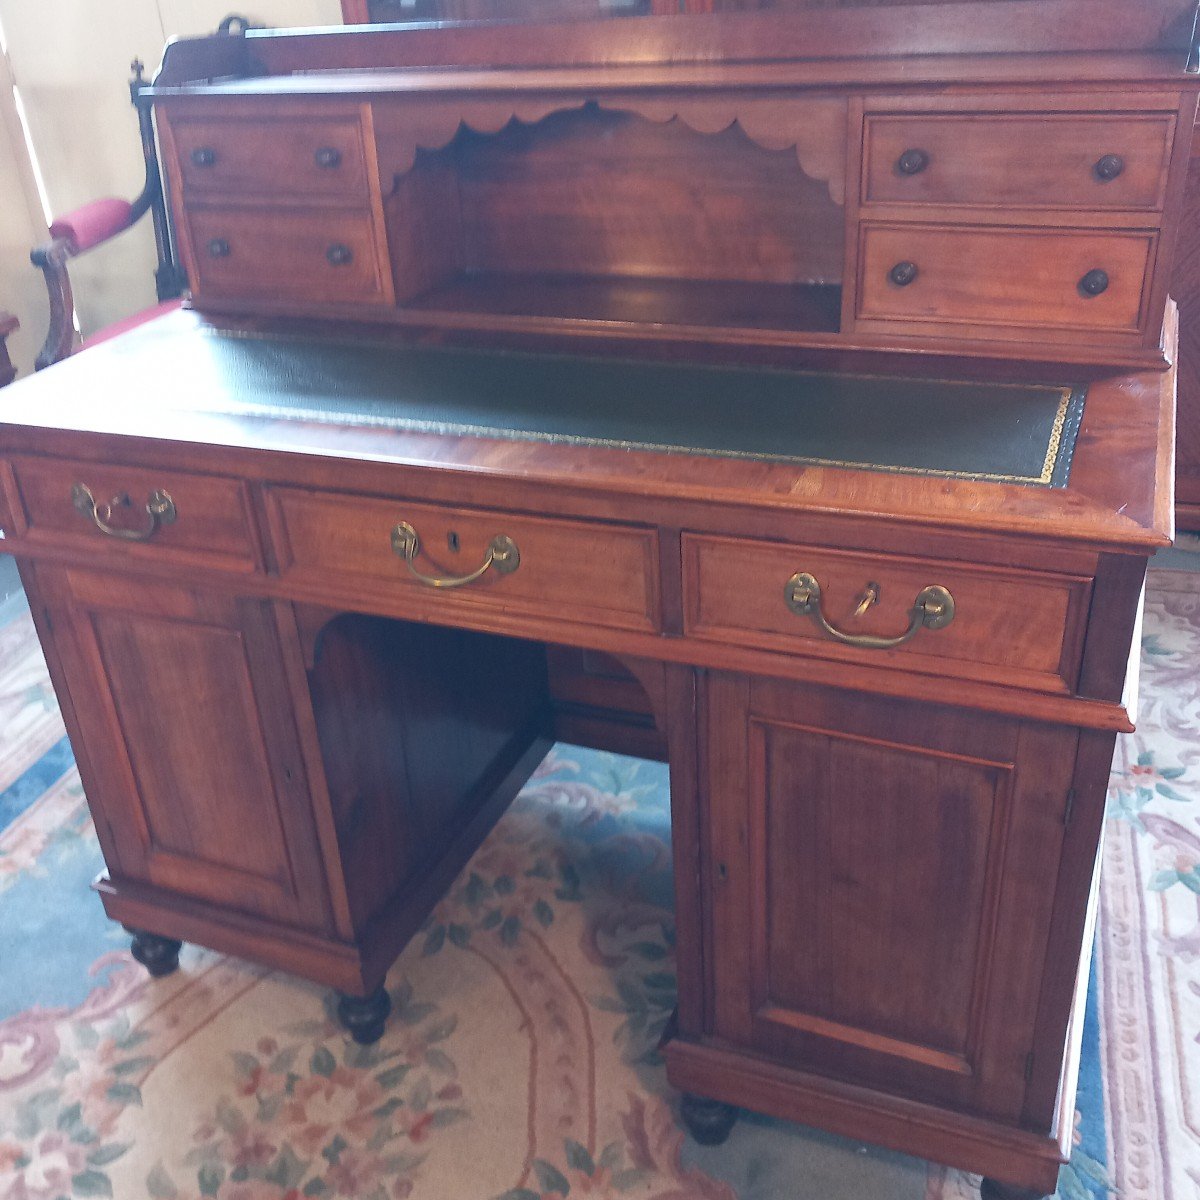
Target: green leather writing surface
<point x="1011" y="433"/>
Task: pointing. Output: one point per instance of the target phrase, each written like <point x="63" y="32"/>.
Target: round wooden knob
<point x="218" y="248"/>
<point x="204" y="156"/>
<point x="339" y="255"/>
<point x="912" y="162"/>
<point x="903" y="273"/>
<point x="1094" y="282"/>
<point x="328" y="158"/>
<point x="1109" y="167"/>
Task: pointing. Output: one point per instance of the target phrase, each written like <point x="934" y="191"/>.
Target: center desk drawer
<point x="1020" y="628"/>
<point x="156" y="514"/>
<point x="555" y="570"/>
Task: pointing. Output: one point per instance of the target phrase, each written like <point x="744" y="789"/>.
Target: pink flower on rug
<point x="354" y="1173"/>
<point x="344" y="1100"/>
<point x="251" y="1149"/>
<point x="46" y="1174"/>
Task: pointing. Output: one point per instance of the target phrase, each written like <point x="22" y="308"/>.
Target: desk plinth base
<point x="1028" y="1162"/>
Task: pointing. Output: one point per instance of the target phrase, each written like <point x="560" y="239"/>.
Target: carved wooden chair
<point x="99" y="221"/>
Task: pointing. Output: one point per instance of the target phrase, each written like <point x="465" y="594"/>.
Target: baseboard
<point x="309" y="955"/>
<point x="1001" y="1152"/>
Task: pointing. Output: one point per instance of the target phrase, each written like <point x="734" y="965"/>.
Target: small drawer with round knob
<point x="993" y="282"/>
<point x="311" y="255"/>
<point x="1034" y="160"/>
<point x="261" y="153"/>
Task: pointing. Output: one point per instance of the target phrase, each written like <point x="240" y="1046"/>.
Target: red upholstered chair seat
<point x="72" y="234"/>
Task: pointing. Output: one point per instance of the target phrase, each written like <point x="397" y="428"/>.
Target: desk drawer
<point x="160" y="514"/>
<point x="1019" y="628"/>
<point x="1031" y="160"/>
<point x="570" y="571"/>
<point x="1064" y="278"/>
<point x="316" y="255"/>
<point x="303" y="157"/>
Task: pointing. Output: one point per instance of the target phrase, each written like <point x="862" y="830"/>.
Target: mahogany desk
<point x="307" y="603"/>
<point x="886" y="659"/>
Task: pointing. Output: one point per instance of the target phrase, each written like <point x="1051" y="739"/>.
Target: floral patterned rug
<point x="520" y="1061"/>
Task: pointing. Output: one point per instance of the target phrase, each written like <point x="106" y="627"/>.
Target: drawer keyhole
<point x="453" y="542"/>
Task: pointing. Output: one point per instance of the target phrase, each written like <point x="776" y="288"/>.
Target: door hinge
<point x="1029" y="1066"/>
<point x="1070" y="806"/>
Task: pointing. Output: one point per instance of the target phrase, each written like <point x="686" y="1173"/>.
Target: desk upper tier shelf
<point x="1002" y="205"/>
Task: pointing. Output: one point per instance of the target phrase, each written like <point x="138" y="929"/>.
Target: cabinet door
<point x="189" y="747"/>
<point x="882" y="875"/>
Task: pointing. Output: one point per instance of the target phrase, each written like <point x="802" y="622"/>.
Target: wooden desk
<point x="296" y="567"/>
<point x="291" y="743"/>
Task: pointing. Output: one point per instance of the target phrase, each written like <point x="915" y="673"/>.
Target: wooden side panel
<point x="182" y="702"/>
<point x="1185" y="287"/>
<point x="879" y="878"/>
<point x="416" y="726"/>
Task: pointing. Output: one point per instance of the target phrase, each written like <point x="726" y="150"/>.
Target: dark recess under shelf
<point x="683" y="302"/>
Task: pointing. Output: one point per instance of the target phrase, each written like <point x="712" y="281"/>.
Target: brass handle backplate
<point x="160" y="511"/>
<point x="502" y="556"/>
<point x="932" y="609"/>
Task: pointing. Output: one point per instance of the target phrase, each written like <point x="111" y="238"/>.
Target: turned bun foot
<point x="364" y="1016"/>
<point x="159" y="955"/>
<point x="708" y="1121"/>
<point x="989" y="1189"/>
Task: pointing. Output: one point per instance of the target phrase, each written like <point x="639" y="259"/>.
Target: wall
<point x="21" y="226"/>
<point x="70" y="60"/>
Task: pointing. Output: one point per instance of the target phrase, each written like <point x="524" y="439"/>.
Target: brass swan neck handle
<point x="159" y="509"/>
<point x="932" y="609"/>
<point x="502" y="556"/>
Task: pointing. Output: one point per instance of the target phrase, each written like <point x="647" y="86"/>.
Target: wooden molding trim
<point x="813" y="126"/>
<point x="972" y="1143"/>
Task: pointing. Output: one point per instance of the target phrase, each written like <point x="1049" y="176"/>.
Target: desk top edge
<point x="1113" y="496"/>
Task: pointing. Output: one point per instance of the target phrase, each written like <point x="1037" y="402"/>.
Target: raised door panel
<point x="880" y="876"/>
<point x="194" y="758"/>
